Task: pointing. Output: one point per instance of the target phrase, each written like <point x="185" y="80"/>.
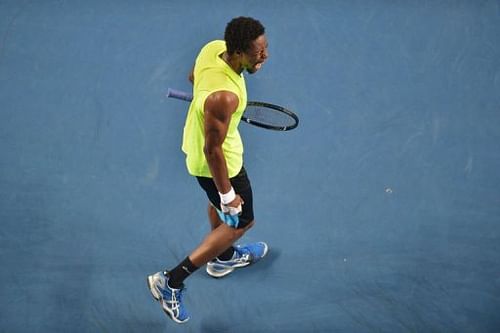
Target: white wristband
<point x="227" y="197"/>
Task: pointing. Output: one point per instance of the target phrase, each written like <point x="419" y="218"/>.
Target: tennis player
<point x="214" y="155"/>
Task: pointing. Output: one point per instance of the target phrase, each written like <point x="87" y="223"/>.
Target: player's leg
<point x="168" y="286"/>
<point x="216" y="242"/>
<point x="215" y="222"/>
<point x="241" y="255"/>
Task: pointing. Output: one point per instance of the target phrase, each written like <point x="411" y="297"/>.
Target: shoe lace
<point x="244" y="255"/>
<point x="176" y="298"/>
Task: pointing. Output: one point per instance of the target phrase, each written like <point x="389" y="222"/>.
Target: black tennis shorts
<point x="241" y="185"/>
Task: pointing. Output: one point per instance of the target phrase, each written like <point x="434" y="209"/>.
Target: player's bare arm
<point x="219" y="108"/>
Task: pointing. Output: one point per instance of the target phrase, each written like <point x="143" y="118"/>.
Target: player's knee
<point x="240" y="231"/>
<point x="234" y="234"/>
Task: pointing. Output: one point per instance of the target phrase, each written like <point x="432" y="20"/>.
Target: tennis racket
<point x="265" y="115"/>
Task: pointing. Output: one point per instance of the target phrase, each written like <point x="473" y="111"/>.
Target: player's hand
<point x="234" y="207"/>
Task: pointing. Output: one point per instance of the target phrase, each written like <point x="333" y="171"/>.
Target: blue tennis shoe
<point x="170" y="298"/>
<point x="244" y="255"/>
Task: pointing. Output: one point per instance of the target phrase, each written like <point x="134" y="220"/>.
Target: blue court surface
<point x="382" y="209"/>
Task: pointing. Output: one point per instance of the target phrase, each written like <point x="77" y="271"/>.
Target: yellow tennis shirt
<point x="212" y="74"/>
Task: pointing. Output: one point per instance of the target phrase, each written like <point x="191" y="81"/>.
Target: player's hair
<point x="240" y="32"/>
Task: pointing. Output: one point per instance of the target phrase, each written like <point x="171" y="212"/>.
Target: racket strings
<point x="268" y="116"/>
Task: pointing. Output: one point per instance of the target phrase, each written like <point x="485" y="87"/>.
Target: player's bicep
<point x="219" y="108"/>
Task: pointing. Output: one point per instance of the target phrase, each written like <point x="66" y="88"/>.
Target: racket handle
<point x="173" y="93"/>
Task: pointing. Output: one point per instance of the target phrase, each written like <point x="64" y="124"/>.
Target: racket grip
<point x="173" y="93"/>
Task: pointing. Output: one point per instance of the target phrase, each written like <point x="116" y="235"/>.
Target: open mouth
<point x="258" y="65"/>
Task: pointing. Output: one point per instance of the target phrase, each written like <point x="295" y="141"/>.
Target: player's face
<point x="256" y="55"/>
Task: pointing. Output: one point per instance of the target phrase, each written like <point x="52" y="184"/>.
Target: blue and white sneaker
<point x="170" y="298"/>
<point x="244" y="255"/>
